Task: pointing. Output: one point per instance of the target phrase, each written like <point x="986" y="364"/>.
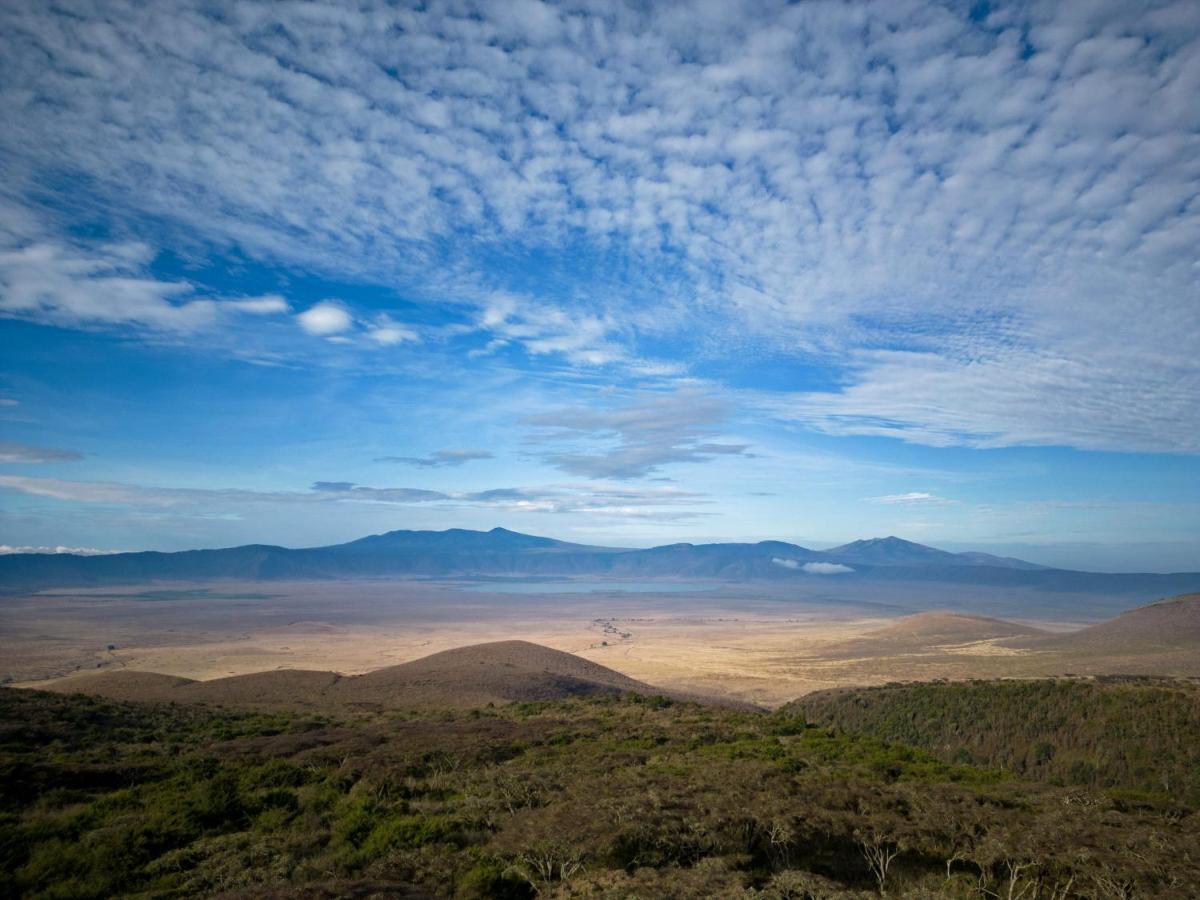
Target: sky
<point x="627" y="274"/>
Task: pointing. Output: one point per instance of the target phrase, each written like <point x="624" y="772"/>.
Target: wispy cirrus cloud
<point x="657" y="504"/>
<point x="8" y="550"/>
<point x="14" y="452"/>
<point x="439" y="458"/>
<point x="636" y="439"/>
<point x="923" y="498"/>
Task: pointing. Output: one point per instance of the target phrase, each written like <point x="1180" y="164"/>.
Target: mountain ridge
<point x="499" y="552"/>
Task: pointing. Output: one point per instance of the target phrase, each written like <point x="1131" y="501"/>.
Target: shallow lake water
<point x="590" y="587"/>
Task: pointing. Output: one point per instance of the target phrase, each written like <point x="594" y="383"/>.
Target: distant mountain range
<point x="500" y="553"/>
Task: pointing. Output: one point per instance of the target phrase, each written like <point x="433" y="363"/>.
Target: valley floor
<point x="750" y="643"/>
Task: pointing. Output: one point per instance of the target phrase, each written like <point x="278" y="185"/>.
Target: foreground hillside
<point x="610" y="796"/>
<point x="1103" y="733"/>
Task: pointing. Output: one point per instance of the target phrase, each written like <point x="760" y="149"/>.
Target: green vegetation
<point x="602" y="797"/>
<point x="1141" y="734"/>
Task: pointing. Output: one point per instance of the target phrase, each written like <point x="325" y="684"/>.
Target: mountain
<point x="460" y="553"/>
<point x="894" y="551"/>
<point x="465" y="677"/>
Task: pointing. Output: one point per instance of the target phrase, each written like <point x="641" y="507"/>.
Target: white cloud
<point x="64" y="285"/>
<point x="103" y="284"/>
<point x="812" y="568"/>
<point x="824" y="568"/>
<point x="918" y="497"/>
<point x="390" y="333"/>
<point x="325" y="319"/>
<point x="7" y="550"/>
<point x="266" y="305"/>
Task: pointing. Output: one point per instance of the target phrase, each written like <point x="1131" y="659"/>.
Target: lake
<point x="590" y="587"/>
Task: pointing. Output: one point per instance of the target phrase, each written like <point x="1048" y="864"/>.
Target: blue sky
<point x="616" y="273"/>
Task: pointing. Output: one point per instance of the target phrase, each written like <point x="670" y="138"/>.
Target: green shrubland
<point x="605" y="797"/>
<point x="1140" y="735"/>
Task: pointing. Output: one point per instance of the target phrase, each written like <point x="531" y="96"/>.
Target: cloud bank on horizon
<point x="733" y="244"/>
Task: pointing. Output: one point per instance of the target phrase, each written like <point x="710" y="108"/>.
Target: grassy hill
<point x="616" y="795"/>
<point x="1133" y="733"/>
<point x="928" y="631"/>
<point x="1166" y="625"/>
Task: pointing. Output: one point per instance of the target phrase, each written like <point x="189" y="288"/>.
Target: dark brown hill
<point x="500" y="672"/>
<point x="486" y="673"/>
<point x="124" y="684"/>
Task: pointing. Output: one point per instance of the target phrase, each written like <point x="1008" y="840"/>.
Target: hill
<point x="1167" y="625"/>
<point x="929" y="631"/>
<point x="502" y="671"/>
<point x="465" y="677"/>
<point x="1104" y="732"/>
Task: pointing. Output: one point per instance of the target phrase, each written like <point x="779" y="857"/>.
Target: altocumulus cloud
<point x="988" y="222"/>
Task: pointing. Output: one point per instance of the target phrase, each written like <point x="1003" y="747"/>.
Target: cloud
<point x="439" y="458"/>
<point x="338" y="324"/>
<point x="640" y="437"/>
<point x="985" y="224"/>
<point x="7" y="550"/>
<point x="653" y="504"/>
<point x="266" y="305"/>
<point x="64" y="285"/>
<point x="12" y="452"/>
<point x="582" y="337"/>
<point x="47" y="279"/>
<point x="325" y="319"/>
<point x="388" y="333"/>
<point x="824" y="568"/>
<point x="913" y="497"/>
<point x="812" y="568"/>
